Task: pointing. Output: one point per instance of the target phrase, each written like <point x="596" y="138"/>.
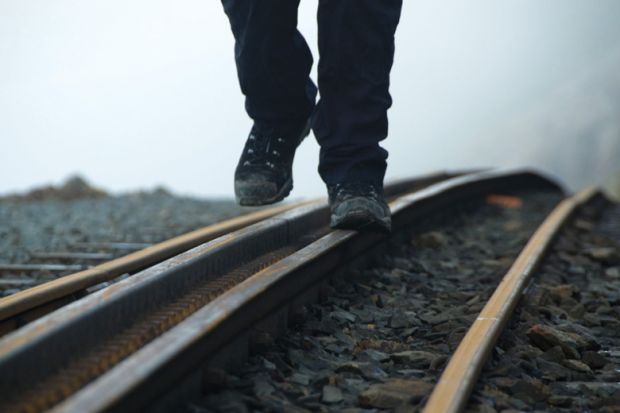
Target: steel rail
<point x="89" y="330"/>
<point x="454" y="387"/>
<point x="14" y="308"/>
<point x="25" y="306"/>
<point x="138" y="380"/>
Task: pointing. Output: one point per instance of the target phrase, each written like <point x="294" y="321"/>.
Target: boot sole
<point x="253" y="197"/>
<point x="361" y="220"/>
<point x="251" y="194"/>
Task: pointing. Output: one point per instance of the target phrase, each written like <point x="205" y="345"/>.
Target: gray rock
<point x="432" y="239"/>
<point x="343" y="316"/>
<point x="334" y="348"/>
<point x="577" y="366"/>
<point x="560" y="401"/>
<point x="331" y="394"/>
<point x="373" y="372"/>
<point x="367" y="370"/>
<point x="296" y="357"/>
<point x="263" y="388"/>
<point x="608" y="255"/>
<point x="519" y="404"/>
<point x="578" y="311"/>
<point x="583" y="224"/>
<point x="399" y="320"/>
<point x="374" y="355"/>
<point x="414" y="358"/>
<point x="351" y="367"/>
<point x="364" y="315"/>
<point x="530" y="391"/>
<point x="546" y="337"/>
<point x="291" y="389"/>
<point x="594" y="360"/>
<point x="300" y="378"/>
<point x="613" y="272"/>
<point x="591" y="320"/>
<point x="481" y="408"/>
<point x="554" y="354"/>
<point x="504" y="382"/>
<point x="577" y="388"/>
<point x="562" y="293"/>
<point x="268" y="364"/>
<point x="311" y="399"/>
<point x="526" y="352"/>
<point x="394" y="393"/>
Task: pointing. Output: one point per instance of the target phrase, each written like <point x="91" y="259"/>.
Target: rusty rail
<point x="242" y="277"/>
<point x="26" y="306"/>
<point x="20" y="308"/>
<point x="452" y="392"/>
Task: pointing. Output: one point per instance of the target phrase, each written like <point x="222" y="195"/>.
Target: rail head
<point x="136" y="380"/>
<point x="25" y="306"/>
<point x="299" y="217"/>
<point x="452" y="392"/>
<point x="31" y="298"/>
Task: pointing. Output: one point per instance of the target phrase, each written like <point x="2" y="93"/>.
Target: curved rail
<point x="25" y="306"/>
<point x="451" y="393"/>
<point x="48" y="292"/>
<point x="37" y="352"/>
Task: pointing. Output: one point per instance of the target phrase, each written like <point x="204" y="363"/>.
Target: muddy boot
<point x="359" y="206"/>
<point x="264" y="172"/>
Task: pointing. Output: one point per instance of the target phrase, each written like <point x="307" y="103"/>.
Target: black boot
<point x="359" y="206"/>
<point x="264" y="172"/>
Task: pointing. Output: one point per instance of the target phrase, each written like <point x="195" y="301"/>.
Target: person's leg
<point x="273" y="61"/>
<point x="273" y="64"/>
<point x="356" y="46"/>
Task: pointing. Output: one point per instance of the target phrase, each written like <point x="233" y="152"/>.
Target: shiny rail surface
<point x="52" y="290"/>
<point x="119" y="349"/>
<point x="452" y="392"/>
<point x="70" y="348"/>
<point x="25" y="306"/>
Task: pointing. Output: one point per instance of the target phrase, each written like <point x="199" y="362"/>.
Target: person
<point x="356" y="47"/>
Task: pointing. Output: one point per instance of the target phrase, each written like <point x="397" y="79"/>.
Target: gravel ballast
<point x="100" y="225"/>
<point x="561" y="352"/>
<point x="380" y="340"/>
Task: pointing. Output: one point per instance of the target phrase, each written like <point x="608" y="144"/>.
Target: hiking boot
<point x="359" y="206"/>
<point x="264" y="172"/>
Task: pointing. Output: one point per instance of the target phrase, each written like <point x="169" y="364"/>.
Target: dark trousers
<point x="356" y="46"/>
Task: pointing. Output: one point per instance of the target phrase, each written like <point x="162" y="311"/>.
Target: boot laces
<point x="263" y="150"/>
<point x="355" y="189"/>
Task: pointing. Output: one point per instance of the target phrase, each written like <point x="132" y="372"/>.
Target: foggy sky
<point x="135" y="94"/>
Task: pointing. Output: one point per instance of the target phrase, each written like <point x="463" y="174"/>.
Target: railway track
<point x="145" y="342"/>
<point x="25" y="306"/>
<point x="47" y="237"/>
<point x="121" y="260"/>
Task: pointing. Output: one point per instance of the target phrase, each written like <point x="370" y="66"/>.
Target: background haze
<point x="136" y="94"/>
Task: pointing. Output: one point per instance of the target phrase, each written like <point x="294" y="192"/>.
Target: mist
<point x="144" y="93"/>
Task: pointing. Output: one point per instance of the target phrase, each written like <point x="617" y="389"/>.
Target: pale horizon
<point x="145" y="94"/>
